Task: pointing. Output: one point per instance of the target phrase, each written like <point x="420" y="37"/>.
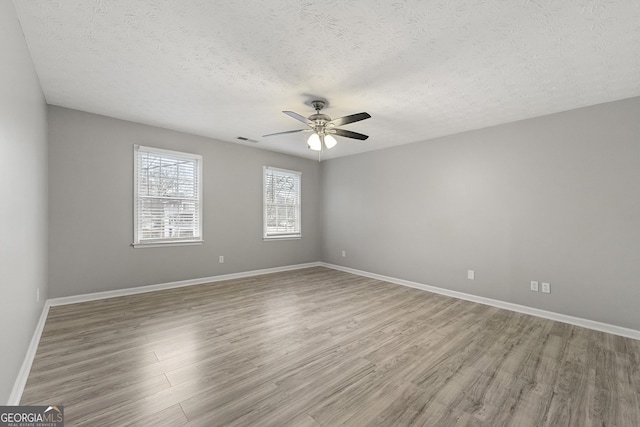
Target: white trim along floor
<point x="21" y="379"/>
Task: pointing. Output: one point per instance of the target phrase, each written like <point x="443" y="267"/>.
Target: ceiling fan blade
<point x="287" y="131"/>
<point x="348" y="119"/>
<point x="298" y="117"/>
<point x="348" y="134"/>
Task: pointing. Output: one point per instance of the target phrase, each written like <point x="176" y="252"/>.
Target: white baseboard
<point x="170" y="285"/>
<point x="21" y="380"/>
<point x="23" y="374"/>
<point x="585" y="323"/>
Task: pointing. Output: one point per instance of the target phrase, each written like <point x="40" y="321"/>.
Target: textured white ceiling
<point x="421" y="68"/>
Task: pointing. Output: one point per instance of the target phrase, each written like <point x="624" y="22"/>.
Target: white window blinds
<point x="281" y="203"/>
<point x="168" y="192"/>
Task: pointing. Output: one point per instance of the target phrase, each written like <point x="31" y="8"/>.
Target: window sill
<point x="272" y="238"/>
<point x="165" y="244"/>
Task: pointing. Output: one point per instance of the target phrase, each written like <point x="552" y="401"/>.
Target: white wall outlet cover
<point x="534" y="286"/>
<point x="546" y="287"/>
<point x="221" y="259"/>
<point x="344" y="253"/>
<point x="471" y="275"/>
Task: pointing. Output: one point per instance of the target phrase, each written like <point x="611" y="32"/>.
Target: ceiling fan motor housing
<point x="319" y="120"/>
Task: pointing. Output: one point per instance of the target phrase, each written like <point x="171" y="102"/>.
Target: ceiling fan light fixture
<point x="314" y="142"/>
<point x="329" y="141"/>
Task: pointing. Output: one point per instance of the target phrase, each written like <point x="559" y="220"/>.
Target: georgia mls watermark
<point x="31" y="416"/>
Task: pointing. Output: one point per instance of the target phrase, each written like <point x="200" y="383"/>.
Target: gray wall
<point x="555" y="198"/>
<point x="91" y="207"/>
<point x="23" y="198"/>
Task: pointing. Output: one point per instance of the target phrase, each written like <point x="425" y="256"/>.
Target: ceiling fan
<point x="323" y="127"/>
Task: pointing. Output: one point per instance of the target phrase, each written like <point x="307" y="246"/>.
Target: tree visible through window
<point x="281" y="203"/>
<point x="168" y="192"/>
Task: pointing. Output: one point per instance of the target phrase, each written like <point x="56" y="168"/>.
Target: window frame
<point x="270" y="236"/>
<point x="166" y="241"/>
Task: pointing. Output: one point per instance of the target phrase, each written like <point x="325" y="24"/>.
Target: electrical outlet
<point x="344" y="254"/>
<point x="534" y="286"/>
<point x="221" y="259"/>
<point x="546" y="287"/>
<point x="471" y="275"/>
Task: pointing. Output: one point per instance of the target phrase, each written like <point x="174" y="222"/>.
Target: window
<point x="281" y="203"/>
<point x="167" y="192"/>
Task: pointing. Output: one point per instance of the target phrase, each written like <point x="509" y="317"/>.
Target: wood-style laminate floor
<point x="319" y="347"/>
